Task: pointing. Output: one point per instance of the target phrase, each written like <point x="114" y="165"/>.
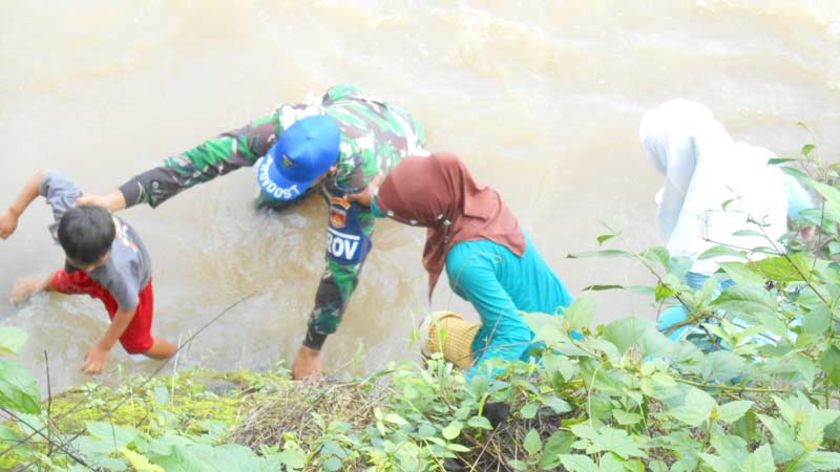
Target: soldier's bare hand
<point x="307" y="365"/>
<point x="366" y="196"/>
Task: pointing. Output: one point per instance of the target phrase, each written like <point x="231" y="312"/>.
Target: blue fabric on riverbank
<point x="677" y="314"/>
<point x="798" y="198"/>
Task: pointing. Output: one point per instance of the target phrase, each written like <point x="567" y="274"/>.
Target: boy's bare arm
<point x="97" y="356"/>
<point x="9" y="217"/>
<point x="25" y="287"/>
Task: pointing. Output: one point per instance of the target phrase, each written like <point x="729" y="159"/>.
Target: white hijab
<point x="704" y="169"/>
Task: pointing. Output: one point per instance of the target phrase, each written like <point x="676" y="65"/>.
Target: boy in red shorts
<point x="104" y="259"/>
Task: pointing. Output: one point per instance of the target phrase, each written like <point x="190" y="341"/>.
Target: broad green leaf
<point x="578" y="463"/>
<point x="625" y="418"/>
<point x="697" y="408"/>
<point x="816" y="321"/>
<point x="656" y="344"/>
<point x="547" y="328"/>
<point x="721" y="251"/>
<point x="745" y="428"/>
<point x="657" y="255"/>
<point x="761" y="460"/>
<point x="719" y="463"/>
<point x="743" y="274"/>
<point x="783" y="435"/>
<point x="293" y="458"/>
<point x="18" y="389"/>
<point x="793" y="367"/>
<point x="657" y="466"/>
<point x="791" y="268"/>
<point x="687" y="448"/>
<point x="178" y="454"/>
<point x="625" y="332"/>
<point x="395" y="419"/>
<point x="581" y="311"/>
<point x="831" y="194"/>
<point x="601" y="345"/>
<point x="333" y="464"/>
<point x="453" y="430"/>
<point x="733" y="411"/>
<point x="748" y="302"/>
<point x="679" y="265"/>
<point x="11" y="340"/>
<point x="830" y="363"/>
<point x="559" y="406"/>
<point x="609" y="439"/>
<point x="111" y="434"/>
<point x="529" y="411"/>
<point x="532" y="443"/>
<point x="731" y="449"/>
<point x="559" y="443"/>
<point x="811" y="432"/>
<point x="823" y="460"/>
<point x="457" y="447"/>
<point x="832" y="431"/>
<point x="556" y="363"/>
<point x="518" y="465"/>
<point x="139" y="462"/>
<point x="611" y="463"/>
<point x="802" y="176"/>
<point x="479" y="422"/>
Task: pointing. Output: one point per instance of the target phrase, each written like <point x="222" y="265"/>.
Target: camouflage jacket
<point x="374" y="137"/>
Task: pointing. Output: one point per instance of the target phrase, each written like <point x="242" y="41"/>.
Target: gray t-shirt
<point x="128" y="269"/>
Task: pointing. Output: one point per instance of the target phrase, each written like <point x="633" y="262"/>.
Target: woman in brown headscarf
<point x="489" y="260"/>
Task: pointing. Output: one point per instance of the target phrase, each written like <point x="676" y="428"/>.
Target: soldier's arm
<point x="346" y="253"/>
<point x="348" y="247"/>
<point x="218" y="156"/>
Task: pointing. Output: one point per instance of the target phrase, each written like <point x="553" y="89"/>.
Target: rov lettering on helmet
<point x="343" y="246"/>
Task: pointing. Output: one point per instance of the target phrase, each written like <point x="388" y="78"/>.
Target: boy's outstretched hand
<point x="8" y="223"/>
<point x="95" y="360"/>
<point x="25" y="287"/>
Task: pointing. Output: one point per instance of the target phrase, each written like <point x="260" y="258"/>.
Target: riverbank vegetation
<point x="624" y="397"/>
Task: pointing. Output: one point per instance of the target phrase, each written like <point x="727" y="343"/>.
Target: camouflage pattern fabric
<point x="374" y="137"/>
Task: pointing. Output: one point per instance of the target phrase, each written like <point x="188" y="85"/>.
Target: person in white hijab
<point x="715" y="188"/>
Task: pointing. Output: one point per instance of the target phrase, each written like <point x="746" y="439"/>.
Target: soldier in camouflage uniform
<point x="374" y="136"/>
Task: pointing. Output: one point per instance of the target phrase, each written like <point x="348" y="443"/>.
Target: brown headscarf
<point x="439" y="193"/>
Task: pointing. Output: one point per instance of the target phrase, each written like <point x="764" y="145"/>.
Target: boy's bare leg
<point x="161" y="349"/>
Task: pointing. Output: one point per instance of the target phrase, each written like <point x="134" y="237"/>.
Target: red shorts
<point x="137" y="337"/>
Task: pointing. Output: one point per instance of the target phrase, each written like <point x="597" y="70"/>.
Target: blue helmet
<point x="304" y="153"/>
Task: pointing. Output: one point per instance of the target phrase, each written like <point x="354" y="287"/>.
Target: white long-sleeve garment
<point x="713" y="187"/>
